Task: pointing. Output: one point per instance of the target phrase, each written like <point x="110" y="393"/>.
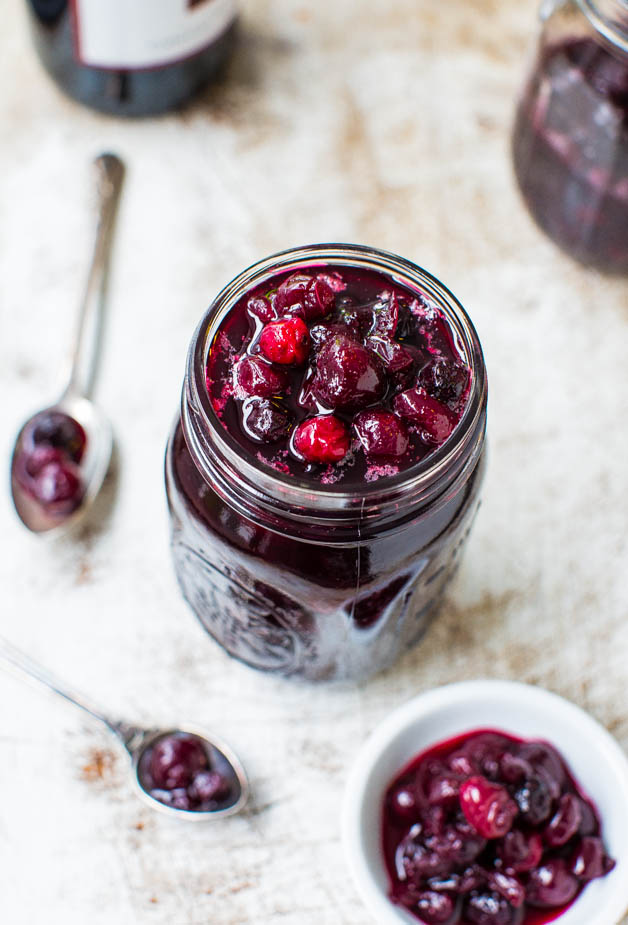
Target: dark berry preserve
<point x="326" y="466"/>
<point x="570" y="143"/>
<point x="186" y="772"/>
<point x="488" y="829"/>
<point x="132" y="58"/>
<point x="48" y="467"/>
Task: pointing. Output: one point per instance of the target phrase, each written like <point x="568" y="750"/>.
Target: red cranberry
<point x="551" y="885"/>
<point x="590" y="860"/>
<point x="254" y="376"/>
<point x="435" y="908"/>
<point x="491" y="909"/>
<point x="566" y="821"/>
<point x="488" y="807"/>
<point x="175" y="760"/>
<point x="260" y="307"/>
<point x="324" y="439"/>
<point x="59" y="486"/>
<point x="444" y="379"/>
<point x="434" y="420"/>
<point x="381" y="433"/>
<point x="347" y="375"/>
<point x="207" y="786"/>
<point x="286" y="342"/>
<point x="520" y="852"/>
<point x="265" y="420"/>
<point x="57" y="429"/>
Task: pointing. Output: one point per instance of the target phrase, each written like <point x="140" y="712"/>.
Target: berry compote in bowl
<point x="326" y="466"/>
<point x="489" y="803"/>
<point x="570" y="142"/>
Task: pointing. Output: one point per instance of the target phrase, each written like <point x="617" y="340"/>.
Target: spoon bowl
<point x="231" y="787"/>
<point x="41" y="518"/>
<point x="222" y="759"/>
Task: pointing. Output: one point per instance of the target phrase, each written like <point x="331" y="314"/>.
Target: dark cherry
<point x="178" y="797"/>
<point x="488" y="807"/>
<point x="325" y="330"/>
<point x="384" y="316"/>
<point x="305" y="295"/>
<point x="534" y="800"/>
<point x="175" y="759"/>
<point x="590" y="860"/>
<point x="404" y="803"/>
<point x="491" y="909"/>
<point x="551" y="885"/>
<point x="435" y="908"/>
<point x="444" y="379"/>
<point x="40" y="456"/>
<point x="286" y="341"/>
<point x="434" y="419"/>
<point x="254" y="376"/>
<point x="521" y="852"/>
<point x="348" y="376"/>
<point x="400" y="362"/>
<point x="56" y="429"/>
<point x="381" y="433"/>
<point x="208" y="786"/>
<point x="58" y="485"/>
<point x="261" y="308"/>
<point x="566" y="821"/>
<point x="323" y="439"/>
<point x="265" y="420"/>
<point x="508" y="886"/>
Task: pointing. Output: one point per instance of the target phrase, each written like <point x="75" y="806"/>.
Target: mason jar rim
<point x="227" y="462"/>
<point x="609" y="18"/>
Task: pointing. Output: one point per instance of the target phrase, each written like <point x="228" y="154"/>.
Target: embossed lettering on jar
<point x="325" y="469"/>
<point x="570" y="143"/>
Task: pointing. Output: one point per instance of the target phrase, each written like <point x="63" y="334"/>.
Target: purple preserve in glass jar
<point x="319" y="502"/>
<point x="570" y="143"/>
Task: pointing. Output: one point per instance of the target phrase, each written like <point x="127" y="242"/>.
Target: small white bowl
<point x="594" y="757"/>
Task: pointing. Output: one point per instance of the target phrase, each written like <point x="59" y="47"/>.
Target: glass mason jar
<point x="570" y="142"/>
<point x="304" y="579"/>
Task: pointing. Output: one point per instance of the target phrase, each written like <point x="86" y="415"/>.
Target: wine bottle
<point x="132" y="57"/>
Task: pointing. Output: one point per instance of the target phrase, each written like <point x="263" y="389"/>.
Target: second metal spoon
<point x="138" y="742"/>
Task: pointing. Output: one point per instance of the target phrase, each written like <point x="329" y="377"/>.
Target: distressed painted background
<point x="378" y="121"/>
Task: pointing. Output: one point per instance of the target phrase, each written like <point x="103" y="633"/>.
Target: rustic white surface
<point x="377" y="121"/>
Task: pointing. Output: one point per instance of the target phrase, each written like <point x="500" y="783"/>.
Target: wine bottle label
<point x="134" y="34"/>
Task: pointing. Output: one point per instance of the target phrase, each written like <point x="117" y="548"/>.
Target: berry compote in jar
<point x="326" y="466"/>
<point x="570" y="143"/>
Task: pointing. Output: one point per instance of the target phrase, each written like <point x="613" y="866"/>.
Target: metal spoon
<point x="137" y="742"/>
<point x="75" y="402"/>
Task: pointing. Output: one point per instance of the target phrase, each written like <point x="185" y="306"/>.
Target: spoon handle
<point x="110" y="170"/>
<point x="21" y="663"/>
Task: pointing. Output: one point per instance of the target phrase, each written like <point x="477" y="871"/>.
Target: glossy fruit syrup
<point x="488" y="829"/>
<point x="570" y="151"/>
<point x="183" y="771"/>
<point x="337" y="377"/>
